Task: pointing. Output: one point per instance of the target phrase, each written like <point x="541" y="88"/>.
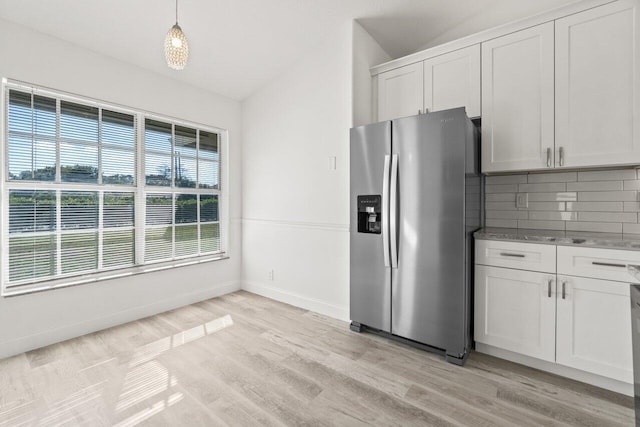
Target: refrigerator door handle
<point x="393" y="209"/>
<point x="385" y="210"/>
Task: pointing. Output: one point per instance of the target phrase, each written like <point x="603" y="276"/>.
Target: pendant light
<point x="176" y="48"/>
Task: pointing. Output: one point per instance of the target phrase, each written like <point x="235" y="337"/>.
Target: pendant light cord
<point x="176" y="12"/>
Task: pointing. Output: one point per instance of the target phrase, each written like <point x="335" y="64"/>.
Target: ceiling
<point x="238" y="46"/>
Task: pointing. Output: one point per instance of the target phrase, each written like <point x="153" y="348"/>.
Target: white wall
<point x="295" y="207"/>
<point x="35" y="320"/>
<point x="493" y="16"/>
<point x="366" y="53"/>
<point x="295" y="212"/>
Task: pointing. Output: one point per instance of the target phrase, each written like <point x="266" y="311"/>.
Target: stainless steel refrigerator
<point x="415" y="202"/>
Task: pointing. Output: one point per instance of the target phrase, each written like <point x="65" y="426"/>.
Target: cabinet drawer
<point x="523" y="256"/>
<point x="608" y="264"/>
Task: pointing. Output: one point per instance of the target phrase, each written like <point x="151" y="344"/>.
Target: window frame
<point x="138" y="188"/>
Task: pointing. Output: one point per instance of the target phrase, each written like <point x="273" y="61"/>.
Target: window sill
<point x="108" y="275"/>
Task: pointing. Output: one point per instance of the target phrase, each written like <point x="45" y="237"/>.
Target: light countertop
<point x="563" y="238"/>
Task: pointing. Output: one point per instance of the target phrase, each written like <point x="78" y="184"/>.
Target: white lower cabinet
<point x="578" y="322"/>
<point x="593" y="331"/>
<point x="515" y="310"/>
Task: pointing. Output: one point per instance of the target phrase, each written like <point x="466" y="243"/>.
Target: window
<point x="181" y="191"/>
<point x="90" y="188"/>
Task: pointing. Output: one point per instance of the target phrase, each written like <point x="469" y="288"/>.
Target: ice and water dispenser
<point x="370" y="214"/>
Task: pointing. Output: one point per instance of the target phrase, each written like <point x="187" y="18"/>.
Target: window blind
<point x="78" y="200"/>
<point x="183" y="221"/>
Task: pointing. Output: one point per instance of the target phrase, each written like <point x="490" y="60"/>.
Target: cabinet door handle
<point x="608" y="264"/>
<point x="561" y="156"/>
<point x="563" y="286"/>
<point x="548" y="157"/>
<point x="549" y="288"/>
<point x="512" y="255"/>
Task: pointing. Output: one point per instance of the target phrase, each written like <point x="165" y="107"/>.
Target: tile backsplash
<point x="595" y="201"/>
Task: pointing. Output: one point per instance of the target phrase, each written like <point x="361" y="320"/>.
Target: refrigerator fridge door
<point x="429" y="290"/>
<point x="370" y="274"/>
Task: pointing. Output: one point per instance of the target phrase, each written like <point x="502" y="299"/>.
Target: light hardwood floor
<point x="243" y="359"/>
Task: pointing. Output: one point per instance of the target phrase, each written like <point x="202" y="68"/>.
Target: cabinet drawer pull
<point x="512" y="255"/>
<point x="608" y="264"/>
<point x="563" y="286"/>
<point x="549" y="288"/>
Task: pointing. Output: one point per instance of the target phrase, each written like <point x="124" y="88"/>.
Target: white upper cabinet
<point x="400" y="92"/>
<point x="597" y="86"/>
<point x="517" y="100"/>
<point x="453" y="80"/>
<point x="591" y="120"/>
<point x="446" y="81"/>
<point x="558" y="91"/>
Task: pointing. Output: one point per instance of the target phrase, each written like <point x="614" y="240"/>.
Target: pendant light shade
<point x="176" y="48"/>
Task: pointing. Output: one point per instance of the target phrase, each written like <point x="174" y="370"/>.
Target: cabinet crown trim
<point x="489" y="34"/>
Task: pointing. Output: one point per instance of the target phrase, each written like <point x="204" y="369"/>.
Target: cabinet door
<point x="594" y="327"/>
<point x="517" y="100"/>
<point x="400" y="92"/>
<point x="597" y="86"/>
<point x="515" y="310"/>
<point x="453" y="80"/>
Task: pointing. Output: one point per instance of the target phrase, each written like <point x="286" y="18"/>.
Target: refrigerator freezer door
<point x="428" y="291"/>
<point x="370" y="280"/>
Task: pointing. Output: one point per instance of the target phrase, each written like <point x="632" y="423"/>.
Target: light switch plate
<point x="333" y="163"/>
<point x="522" y="200"/>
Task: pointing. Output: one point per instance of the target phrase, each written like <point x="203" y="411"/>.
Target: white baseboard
<point x="53" y="336"/>
<point x="554" y="368"/>
<point x="311" y="304"/>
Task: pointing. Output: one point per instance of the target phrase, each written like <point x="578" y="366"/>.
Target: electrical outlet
<point x="522" y="200"/>
<point x="271" y="275"/>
